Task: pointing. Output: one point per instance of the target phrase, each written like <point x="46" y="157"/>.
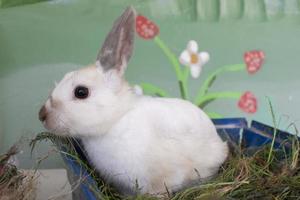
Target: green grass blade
<point x="275" y="130"/>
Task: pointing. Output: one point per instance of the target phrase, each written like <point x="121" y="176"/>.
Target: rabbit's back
<point x="159" y="141"/>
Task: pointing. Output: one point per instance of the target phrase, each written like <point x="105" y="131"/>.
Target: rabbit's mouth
<point x="52" y="121"/>
<point x="47" y="119"/>
<point x="43" y="114"/>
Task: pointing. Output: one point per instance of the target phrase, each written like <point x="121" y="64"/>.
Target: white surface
<point x="53" y="184"/>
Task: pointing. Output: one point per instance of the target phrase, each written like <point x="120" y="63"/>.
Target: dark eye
<point x="81" y="92"/>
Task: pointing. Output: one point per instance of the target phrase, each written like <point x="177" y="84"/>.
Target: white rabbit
<point x="131" y="138"/>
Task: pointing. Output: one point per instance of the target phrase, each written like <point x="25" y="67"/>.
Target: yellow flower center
<point x="194" y="58"/>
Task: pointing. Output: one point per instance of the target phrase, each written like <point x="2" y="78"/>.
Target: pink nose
<point x="42" y="114"/>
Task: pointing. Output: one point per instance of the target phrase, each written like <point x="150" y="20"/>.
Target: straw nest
<point x="15" y="184"/>
<point x="266" y="173"/>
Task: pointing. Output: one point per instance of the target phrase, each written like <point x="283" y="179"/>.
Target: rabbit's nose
<point x="42" y="114"/>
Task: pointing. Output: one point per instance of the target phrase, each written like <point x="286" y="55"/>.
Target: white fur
<point x="130" y="138"/>
<point x="133" y="139"/>
<point x="165" y="139"/>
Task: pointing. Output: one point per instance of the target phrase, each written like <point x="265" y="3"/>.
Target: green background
<point x="42" y="41"/>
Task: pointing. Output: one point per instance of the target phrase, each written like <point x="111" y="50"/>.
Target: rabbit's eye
<point x="81" y="92"/>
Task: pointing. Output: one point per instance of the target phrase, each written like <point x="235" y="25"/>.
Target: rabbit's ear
<point x="118" y="45"/>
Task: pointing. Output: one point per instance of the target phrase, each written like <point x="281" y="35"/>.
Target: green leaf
<point x="210" y="82"/>
<point x="210" y="97"/>
<point x="153" y="90"/>
<point x="214" y="115"/>
<point x="212" y="77"/>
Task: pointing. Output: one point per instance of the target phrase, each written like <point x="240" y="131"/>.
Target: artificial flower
<point x="248" y="102"/>
<point x="193" y="59"/>
<point x="145" y="28"/>
<point x="254" y="60"/>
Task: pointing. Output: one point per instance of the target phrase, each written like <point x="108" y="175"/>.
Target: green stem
<point x="207" y="83"/>
<point x="181" y="89"/>
<point x="217" y="95"/>
<point x="176" y="66"/>
<point x="185" y="78"/>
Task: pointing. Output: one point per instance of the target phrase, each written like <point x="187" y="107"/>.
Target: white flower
<point x="138" y="90"/>
<point x="190" y="57"/>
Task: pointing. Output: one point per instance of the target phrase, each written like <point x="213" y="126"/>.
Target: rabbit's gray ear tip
<point x="131" y="10"/>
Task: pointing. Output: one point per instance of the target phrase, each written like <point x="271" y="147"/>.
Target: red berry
<point x="146" y="28"/>
<point x="248" y="102"/>
<point x="254" y="60"/>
